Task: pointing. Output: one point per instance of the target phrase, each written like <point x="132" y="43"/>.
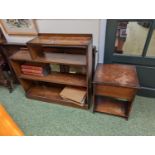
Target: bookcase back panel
<point x="65" y="50"/>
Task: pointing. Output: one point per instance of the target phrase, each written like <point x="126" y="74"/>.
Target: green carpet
<point x="40" y="118"/>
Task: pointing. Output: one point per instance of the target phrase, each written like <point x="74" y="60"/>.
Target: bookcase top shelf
<point x="60" y="78"/>
<point x="62" y="39"/>
<point x="57" y="58"/>
<point x="117" y="75"/>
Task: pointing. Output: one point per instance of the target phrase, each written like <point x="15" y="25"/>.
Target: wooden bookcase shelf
<point x="60" y="78"/>
<point x="55" y="58"/>
<point x="67" y="50"/>
<point x="50" y="94"/>
<point x="60" y="40"/>
<point x="111" y="106"/>
<point x="63" y="58"/>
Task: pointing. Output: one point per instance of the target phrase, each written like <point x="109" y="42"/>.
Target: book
<point x="39" y="67"/>
<point x="77" y="95"/>
<point x="77" y="70"/>
<point x="64" y="68"/>
<point x="77" y="103"/>
<point x="33" y="74"/>
<point x="55" y="67"/>
<point x="35" y="69"/>
<point x="32" y="71"/>
<point x="44" y="72"/>
<point x="31" y="67"/>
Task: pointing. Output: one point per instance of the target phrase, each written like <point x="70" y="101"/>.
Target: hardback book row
<point x="74" y="94"/>
<point x="36" y="70"/>
<point x="44" y="69"/>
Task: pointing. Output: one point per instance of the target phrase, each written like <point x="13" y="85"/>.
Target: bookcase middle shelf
<point x="61" y="58"/>
<point x="60" y="78"/>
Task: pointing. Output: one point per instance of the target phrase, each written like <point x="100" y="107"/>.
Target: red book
<point x="32" y="71"/>
<point x="32" y="67"/>
<point x="33" y="74"/>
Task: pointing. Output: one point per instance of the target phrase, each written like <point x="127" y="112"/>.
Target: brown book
<point x="74" y="94"/>
<point x="81" y="104"/>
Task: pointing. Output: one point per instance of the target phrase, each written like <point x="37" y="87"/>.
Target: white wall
<point x="70" y="26"/>
<point x="93" y="26"/>
<point x="102" y="40"/>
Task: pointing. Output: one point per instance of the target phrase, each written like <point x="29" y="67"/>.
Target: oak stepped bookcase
<point x="64" y="49"/>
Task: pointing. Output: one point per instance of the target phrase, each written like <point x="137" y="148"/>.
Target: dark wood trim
<point x="110" y="40"/>
<point x="147" y="92"/>
<point x="135" y="60"/>
<point x="149" y="36"/>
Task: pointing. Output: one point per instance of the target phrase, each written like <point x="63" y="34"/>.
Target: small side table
<point x="114" y="89"/>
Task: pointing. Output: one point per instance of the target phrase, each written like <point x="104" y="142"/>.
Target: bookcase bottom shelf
<point x="110" y="106"/>
<point x="50" y="94"/>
